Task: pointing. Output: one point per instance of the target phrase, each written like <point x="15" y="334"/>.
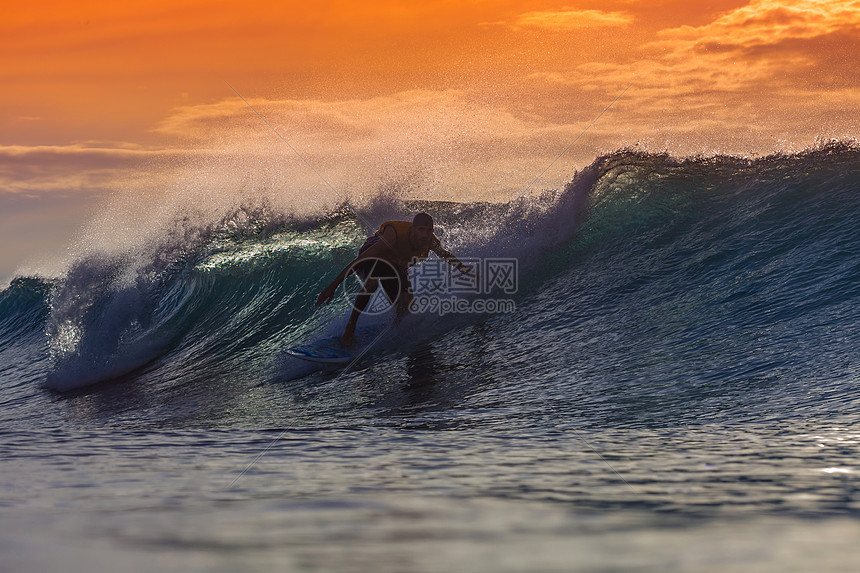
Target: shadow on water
<point x="435" y="383"/>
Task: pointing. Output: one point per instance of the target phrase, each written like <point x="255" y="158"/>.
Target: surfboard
<point x="325" y="351"/>
<point x="331" y="351"/>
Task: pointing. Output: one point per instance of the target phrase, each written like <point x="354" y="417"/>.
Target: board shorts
<point x="393" y="280"/>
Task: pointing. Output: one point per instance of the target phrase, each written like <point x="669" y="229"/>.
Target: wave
<point x="725" y="240"/>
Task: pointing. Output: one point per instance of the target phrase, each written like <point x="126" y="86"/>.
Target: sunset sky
<point x="443" y="99"/>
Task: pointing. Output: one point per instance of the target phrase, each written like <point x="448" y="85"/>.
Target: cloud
<point x="770" y="41"/>
<point x="762" y="23"/>
<point x="434" y="137"/>
<point x="570" y="19"/>
<point x="765" y="77"/>
<point x="435" y="144"/>
<point x="73" y="169"/>
<point x="88" y="153"/>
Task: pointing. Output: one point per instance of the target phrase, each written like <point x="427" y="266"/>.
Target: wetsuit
<point x="392" y="275"/>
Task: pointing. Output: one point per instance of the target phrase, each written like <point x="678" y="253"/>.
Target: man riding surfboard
<point x="384" y="259"/>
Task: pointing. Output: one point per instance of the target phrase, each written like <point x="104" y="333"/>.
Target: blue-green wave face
<point x="697" y="258"/>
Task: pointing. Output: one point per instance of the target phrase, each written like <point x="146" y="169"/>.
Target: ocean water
<point x="676" y="387"/>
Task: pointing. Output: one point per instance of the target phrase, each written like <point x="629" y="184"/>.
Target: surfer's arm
<point x="448" y="257"/>
<point x="377" y="250"/>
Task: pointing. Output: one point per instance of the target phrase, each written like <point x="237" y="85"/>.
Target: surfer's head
<point x="422" y="220"/>
<point x="422" y="230"/>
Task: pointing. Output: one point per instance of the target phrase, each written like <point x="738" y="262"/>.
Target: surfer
<point x="383" y="259"/>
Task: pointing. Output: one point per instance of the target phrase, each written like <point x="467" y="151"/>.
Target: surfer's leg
<point x="358" y="307"/>
<point x="399" y="291"/>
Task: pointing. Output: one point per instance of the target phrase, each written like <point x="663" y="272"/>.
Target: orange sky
<point x="110" y="70"/>
<point x="457" y="99"/>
